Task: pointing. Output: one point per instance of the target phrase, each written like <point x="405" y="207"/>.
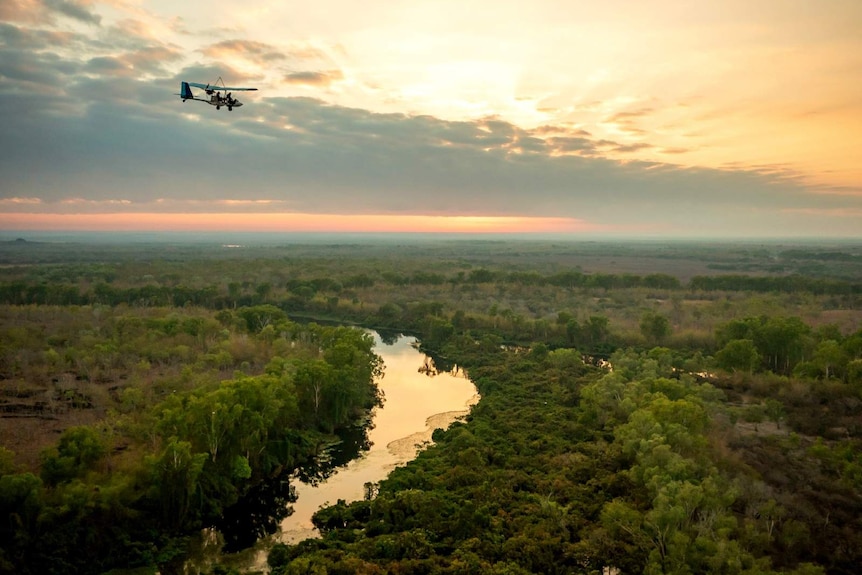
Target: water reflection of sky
<point x="411" y="398"/>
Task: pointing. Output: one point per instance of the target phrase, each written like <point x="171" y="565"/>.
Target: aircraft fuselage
<point x="218" y="101"/>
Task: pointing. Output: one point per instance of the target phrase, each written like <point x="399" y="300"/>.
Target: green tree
<point x="754" y="413"/>
<point x="258" y="317"/>
<point x="738" y="355"/>
<point x="175" y="478"/>
<point x="774" y="410"/>
<point x="854" y="373"/>
<point x="780" y="341"/>
<point x="77" y="451"/>
<point x="597" y="328"/>
<point x="311" y="379"/>
<point x="655" y="327"/>
<point x="830" y="356"/>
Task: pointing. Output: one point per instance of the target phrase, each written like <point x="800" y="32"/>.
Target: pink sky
<point x="289" y="222"/>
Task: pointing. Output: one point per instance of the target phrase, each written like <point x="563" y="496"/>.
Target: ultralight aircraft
<point x="214" y="94"/>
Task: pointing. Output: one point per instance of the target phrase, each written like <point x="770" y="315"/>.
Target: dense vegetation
<point x="179" y="439"/>
<point x="715" y="426"/>
<point x="563" y="468"/>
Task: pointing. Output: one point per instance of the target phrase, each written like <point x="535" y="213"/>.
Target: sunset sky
<point x="670" y="118"/>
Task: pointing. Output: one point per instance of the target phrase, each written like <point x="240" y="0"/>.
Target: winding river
<point x="418" y="400"/>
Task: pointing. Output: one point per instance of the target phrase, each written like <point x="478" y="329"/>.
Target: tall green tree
<point x="655" y="327"/>
<point x="738" y="355"/>
<point x="831" y="358"/>
<point x="175" y="475"/>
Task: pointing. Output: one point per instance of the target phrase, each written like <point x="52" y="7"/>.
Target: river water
<point x="417" y="400"/>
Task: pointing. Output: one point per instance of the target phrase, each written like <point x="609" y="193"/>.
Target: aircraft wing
<point x="216" y="88"/>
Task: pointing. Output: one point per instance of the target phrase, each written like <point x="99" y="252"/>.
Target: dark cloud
<point x="107" y="65"/>
<point x="29" y="39"/>
<point x="24" y="70"/>
<point x="77" y="10"/>
<point x="133" y="64"/>
<point x="571" y="145"/>
<point x="531" y="144"/>
<point x="40" y="69"/>
<point x="628" y="148"/>
<point x="34" y="69"/>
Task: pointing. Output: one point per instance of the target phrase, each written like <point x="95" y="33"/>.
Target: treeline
<point x="819" y="255"/>
<point x="783" y="284"/>
<point x="172" y="456"/>
<point x="237" y="294"/>
<point x="596" y="333"/>
<point x="782" y="345"/>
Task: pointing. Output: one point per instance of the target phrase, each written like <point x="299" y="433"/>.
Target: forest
<point x="645" y="407"/>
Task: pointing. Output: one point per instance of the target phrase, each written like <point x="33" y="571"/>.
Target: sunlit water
<point x="415" y="405"/>
<point x="417" y="401"/>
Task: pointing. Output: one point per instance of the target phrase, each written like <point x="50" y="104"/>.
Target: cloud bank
<point x="91" y="124"/>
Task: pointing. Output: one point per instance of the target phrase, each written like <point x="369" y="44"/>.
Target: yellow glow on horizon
<point x="292" y="222"/>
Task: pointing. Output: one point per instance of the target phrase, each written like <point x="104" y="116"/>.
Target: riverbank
<point x="416" y="403"/>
